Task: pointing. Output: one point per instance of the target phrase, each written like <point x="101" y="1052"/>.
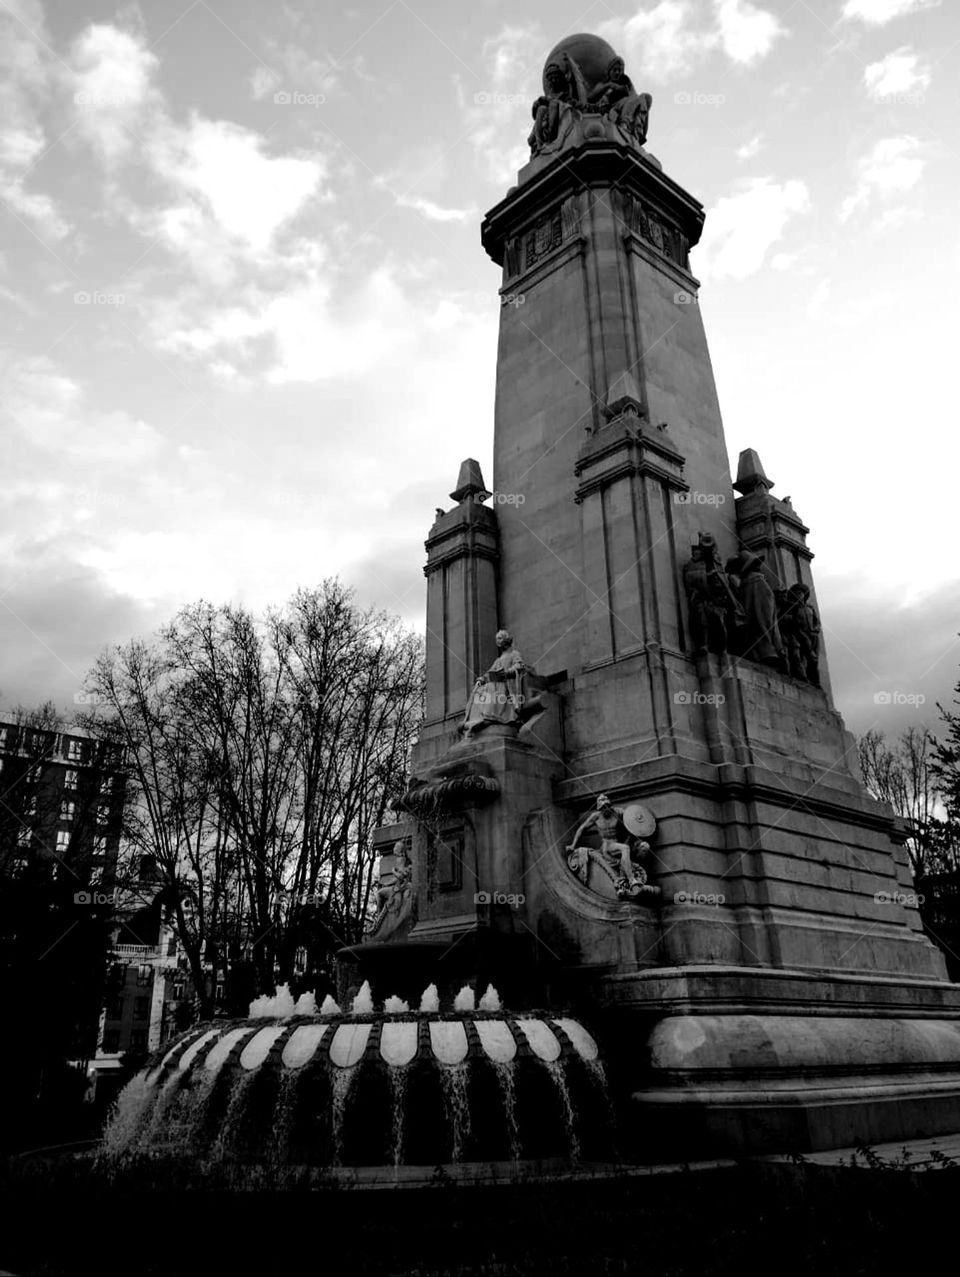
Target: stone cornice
<point x="594" y="164"/>
<point x="627" y="446"/>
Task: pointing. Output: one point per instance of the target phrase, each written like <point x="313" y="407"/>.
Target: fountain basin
<point x="364" y="1091"/>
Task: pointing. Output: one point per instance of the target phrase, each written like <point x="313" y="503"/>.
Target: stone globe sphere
<point x="591" y="54"/>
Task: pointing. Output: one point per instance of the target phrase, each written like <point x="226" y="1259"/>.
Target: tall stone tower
<point x="646" y="805"/>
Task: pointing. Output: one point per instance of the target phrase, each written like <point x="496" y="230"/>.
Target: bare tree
<point x="904" y="775"/>
<point x="265" y="753"/>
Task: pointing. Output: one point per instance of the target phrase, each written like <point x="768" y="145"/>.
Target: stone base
<point x="748" y="1063"/>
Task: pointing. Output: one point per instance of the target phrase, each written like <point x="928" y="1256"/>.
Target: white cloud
<point x="892" y="219"/>
<point x="751" y="148"/>
<point x="741" y="228"/>
<point x="293" y="68"/>
<point x="892" y="166"/>
<point x="110" y="79"/>
<point x="497" y="113"/>
<point x="662" y="42"/>
<point x="676" y="36"/>
<point x="250" y="195"/>
<point x="434" y="212"/>
<point x="747" y="33"/>
<point x="34" y="207"/>
<point x="26" y="75"/>
<point x="899" y="75"/>
<point x="880" y="12"/>
<point x="51" y="413"/>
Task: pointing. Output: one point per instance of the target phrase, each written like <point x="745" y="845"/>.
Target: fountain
<point x="361" y="1094"/>
<point x="657" y="850"/>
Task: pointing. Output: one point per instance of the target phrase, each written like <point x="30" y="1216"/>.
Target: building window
<point x="75" y="750"/>
<point x="178" y="992"/>
<point x="141" y="1008"/>
<point x="71" y="778"/>
<point x="31" y="806"/>
<point x="24" y="836"/>
<point x="67" y="809"/>
<point x="103" y="814"/>
<point x="63" y="841"/>
<point x="144" y="973"/>
<point x="99" y="845"/>
<point x="138" y="1040"/>
<point x="114" y="1009"/>
<point x="111" y="1041"/>
<point x="4" y="736"/>
<point x="106" y="785"/>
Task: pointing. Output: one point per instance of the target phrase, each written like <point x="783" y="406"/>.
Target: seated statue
<point x="394" y="897"/>
<point x="617" y="97"/>
<point x="546" y="109"/>
<point x="563" y="88"/>
<point x="497" y="696"/>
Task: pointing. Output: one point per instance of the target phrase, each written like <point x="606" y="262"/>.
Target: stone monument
<point x="645" y="840"/>
<point x="762" y="980"/>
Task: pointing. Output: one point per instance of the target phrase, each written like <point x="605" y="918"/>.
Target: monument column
<point x="461" y="571"/>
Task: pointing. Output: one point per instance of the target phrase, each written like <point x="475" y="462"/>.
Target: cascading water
<point x="457" y="1105"/>
<point x="330" y="1092"/>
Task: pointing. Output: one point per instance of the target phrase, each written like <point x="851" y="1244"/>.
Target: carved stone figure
<point x="497" y="696"/>
<point x="395" y="899"/>
<point x="616" y="854"/>
<point x="808" y="631"/>
<point x="626" y="107"/>
<point x="713" y="607"/>
<point x="596" y="87"/>
<point x="546" y="109"/>
<point x="759" y="636"/>
<point x="788" y="623"/>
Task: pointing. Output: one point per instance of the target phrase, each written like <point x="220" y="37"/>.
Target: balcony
<point x="140" y="951"/>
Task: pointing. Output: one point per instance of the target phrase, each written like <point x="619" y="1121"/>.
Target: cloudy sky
<point x="248" y="331"/>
